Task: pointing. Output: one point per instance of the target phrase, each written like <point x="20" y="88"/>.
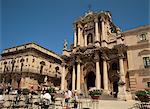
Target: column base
<point x="97" y="44"/>
<point x="104" y="44"/>
<point x="122" y="93"/>
<point x="107" y="92"/>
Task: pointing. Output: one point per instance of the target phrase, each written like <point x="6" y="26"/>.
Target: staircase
<point x="107" y="97"/>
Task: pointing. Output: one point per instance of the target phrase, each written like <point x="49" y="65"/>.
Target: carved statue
<point x="89" y="38"/>
<point x="45" y="79"/>
<point x="65" y="45"/>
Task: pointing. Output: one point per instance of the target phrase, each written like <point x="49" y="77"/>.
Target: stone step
<point x="107" y="97"/>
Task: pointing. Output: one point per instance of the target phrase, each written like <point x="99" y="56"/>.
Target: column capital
<point x="104" y="57"/>
<point x="79" y="25"/>
<point x="96" y="57"/>
<point x="78" y="60"/>
<point x="102" y="19"/>
<point x="121" y="56"/>
<point x="96" y="19"/>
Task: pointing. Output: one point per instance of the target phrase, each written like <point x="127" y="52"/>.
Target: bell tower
<point x="94" y="29"/>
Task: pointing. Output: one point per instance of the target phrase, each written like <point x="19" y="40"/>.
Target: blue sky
<point x="49" y="22"/>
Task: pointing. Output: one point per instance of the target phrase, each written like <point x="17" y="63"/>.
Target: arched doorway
<point x="90" y="80"/>
<point x="114" y="78"/>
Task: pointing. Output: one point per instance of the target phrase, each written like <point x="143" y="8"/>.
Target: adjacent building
<point x="29" y="65"/>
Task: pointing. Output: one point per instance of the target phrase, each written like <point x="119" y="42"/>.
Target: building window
<point x="26" y="59"/>
<point x="146" y="62"/>
<point x="143" y="36"/>
<point x="33" y="60"/>
<point x="148" y="84"/>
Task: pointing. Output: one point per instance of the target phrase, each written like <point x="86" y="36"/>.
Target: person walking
<point x="66" y="99"/>
<point x="76" y="100"/>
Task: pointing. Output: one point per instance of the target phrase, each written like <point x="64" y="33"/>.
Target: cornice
<point x="139" y="46"/>
<point x="136" y="30"/>
<point x="140" y="72"/>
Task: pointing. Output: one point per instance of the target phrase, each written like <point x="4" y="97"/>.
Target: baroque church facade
<point x="105" y="58"/>
<point x="101" y="56"/>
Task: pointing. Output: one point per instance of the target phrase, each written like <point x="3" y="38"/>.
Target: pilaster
<point x="97" y="38"/>
<point x="63" y="76"/>
<point x="78" y="74"/>
<point x="103" y="37"/>
<point x="98" y="75"/>
<point x="73" y="78"/>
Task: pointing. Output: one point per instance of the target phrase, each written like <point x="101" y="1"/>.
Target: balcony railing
<point x="24" y="70"/>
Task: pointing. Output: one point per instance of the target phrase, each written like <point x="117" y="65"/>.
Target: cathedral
<point x="104" y="57"/>
<point x="101" y="57"/>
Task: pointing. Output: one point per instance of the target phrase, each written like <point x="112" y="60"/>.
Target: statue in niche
<point x="65" y="45"/>
<point x="90" y="40"/>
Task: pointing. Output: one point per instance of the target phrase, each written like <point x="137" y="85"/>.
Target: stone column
<point x="105" y="74"/>
<point x="78" y="75"/>
<point x="75" y="38"/>
<point x="98" y="75"/>
<point x="85" y="40"/>
<point x="73" y="78"/>
<point x="122" y="88"/>
<point x="104" y="44"/>
<point x="79" y="34"/>
<point x="122" y="73"/>
<point x="96" y="33"/>
<point x="63" y="77"/>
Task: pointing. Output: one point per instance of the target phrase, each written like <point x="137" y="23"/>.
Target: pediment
<point x="144" y="52"/>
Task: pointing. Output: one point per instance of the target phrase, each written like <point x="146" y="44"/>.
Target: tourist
<point x="46" y="100"/>
<point x="76" y="100"/>
<point x="66" y="99"/>
<point x="1" y="98"/>
<point x="69" y="94"/>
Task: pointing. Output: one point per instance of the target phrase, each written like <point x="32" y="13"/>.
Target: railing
<point x="24" y="70"/>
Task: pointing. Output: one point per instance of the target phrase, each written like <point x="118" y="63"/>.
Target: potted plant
<point x="51" y="90"/>
<point x="121" y="83"/>
<point x="95" y="93"/>
<point x="143" y="96"/>
<point x="25" y="91"/>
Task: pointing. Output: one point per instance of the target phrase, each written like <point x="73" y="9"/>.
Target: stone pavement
<point x="84" y="104"/>
<point x="105" y="104"/>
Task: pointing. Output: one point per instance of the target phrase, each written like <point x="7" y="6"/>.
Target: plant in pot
<point x="25" y="91"/>
<point x="95" y="93"/>
<point x="51" y="90"/>
<point x="121" y="83"/>
<point x="143" y="96"/>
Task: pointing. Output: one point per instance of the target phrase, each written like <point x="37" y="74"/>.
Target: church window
<point x="143" y="36"/>
<point x="26" y="59"/>
<point x="146" y="62"/>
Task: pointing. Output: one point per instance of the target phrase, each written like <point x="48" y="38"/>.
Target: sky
<point x="49" y="22"/>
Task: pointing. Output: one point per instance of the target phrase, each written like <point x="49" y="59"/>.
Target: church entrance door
<point x="90" y="80"/>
